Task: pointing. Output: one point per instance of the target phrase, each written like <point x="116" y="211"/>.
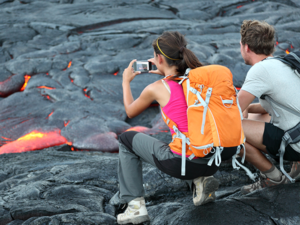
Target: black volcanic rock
<point x="75" y="52"/>
<point x="54" y="186"/>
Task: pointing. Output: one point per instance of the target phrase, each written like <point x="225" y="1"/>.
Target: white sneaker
<point x="205" y="188"/>
<point x="135" y="213"/>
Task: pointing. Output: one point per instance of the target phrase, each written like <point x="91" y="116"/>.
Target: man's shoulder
<point x="259" y="68"/>
<point x="267" y="66"/>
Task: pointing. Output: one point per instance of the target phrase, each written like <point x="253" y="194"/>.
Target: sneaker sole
<point x="211" y="185"/>
<point x="136" y="220"/>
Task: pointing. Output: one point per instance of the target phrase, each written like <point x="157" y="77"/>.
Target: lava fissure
<point x="87" y="93"/>
<point x="45" y="87"/>
<point x="50" y="114"/>
<point x="27" y="78"/>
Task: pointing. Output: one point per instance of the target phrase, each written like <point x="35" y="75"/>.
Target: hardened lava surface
<point x="61" y="64"/>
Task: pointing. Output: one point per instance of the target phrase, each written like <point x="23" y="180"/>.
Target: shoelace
<point x="260" y="183"/>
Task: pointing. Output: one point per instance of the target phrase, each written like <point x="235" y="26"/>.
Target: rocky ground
<point x="71" y="54"/>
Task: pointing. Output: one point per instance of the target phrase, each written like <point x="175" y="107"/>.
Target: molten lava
<point x="240" y="6"/>
<point x="116" y="73"/>
<point x="138" y="129"/>
<point x="86" y="93"/>
<point x="35" y="140"/>
<point x="5" y="138"/>
<point x="70" y="64"/>
<point x="45" y="87"/>
<point x="287" y="51"/>
<point x="27" y="78"/>
<point x="49" y="115"/>
<point x="66" y="123"/>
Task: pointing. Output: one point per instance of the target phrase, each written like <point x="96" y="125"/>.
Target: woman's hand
<point x="155" y="71"/>
<point x="129" y="74"/>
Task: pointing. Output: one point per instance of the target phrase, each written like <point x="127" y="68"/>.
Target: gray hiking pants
<point x="137" y="147"/>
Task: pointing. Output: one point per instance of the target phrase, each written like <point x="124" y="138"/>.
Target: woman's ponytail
<point x="173" y="46"/>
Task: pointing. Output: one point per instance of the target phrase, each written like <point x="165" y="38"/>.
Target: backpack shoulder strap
<point x="295" y="56"/>
<point x="282" y="60"/>
<point x="271" y="101"/>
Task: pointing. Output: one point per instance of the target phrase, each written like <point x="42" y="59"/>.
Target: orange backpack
<point x="214" y="116"/>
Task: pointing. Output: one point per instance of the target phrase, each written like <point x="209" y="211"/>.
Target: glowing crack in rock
<point x="36" y="140"/>
<point x="27" y="78"/>
<point x="50" y="115"/>
<point x="70" y="64"/>
<point x="66" y="123"/>
<point x="138" y="129"/>
<point x="45" y="87"/>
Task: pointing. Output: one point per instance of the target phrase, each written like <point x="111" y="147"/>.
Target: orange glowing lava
<point x="70" y="64"/>
<point x="292" y="46"/>
<point x="287" y="51"/>
<point x="138" y="129"/>
<point x="238" y="88"/>
<point x="27" y="78"/>
<point x="86" y="94"/>
<point x="66" y="123"/>
<point x="72" y="148"/>
<point x="116" y="73"/>
<point x="35" y="140"/>
<point x="5" y="138"/>
<point x="240" y="6"/>
<point x="50" y="115"/>
<point x="45" y="87"/>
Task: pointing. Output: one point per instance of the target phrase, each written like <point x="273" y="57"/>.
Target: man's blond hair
<point x="259" y="36"/>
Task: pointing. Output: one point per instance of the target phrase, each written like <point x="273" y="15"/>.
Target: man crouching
<point x="266" y="123"/>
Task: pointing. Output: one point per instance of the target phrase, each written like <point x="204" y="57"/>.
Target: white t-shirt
<point x="274" y="78"/>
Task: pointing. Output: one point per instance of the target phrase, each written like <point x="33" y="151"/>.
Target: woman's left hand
<point x="129" y="73"/>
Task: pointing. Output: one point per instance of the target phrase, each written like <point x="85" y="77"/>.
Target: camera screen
<point x="142" y="66"/>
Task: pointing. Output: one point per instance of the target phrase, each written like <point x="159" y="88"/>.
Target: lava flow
<point x="69" y="65"/>
<point x="36" y="140"/>
<point x="87" y="93"/>
<point x="45" y="87"/>
<point x="138" y="129"/>
<point x="27" y="78"/>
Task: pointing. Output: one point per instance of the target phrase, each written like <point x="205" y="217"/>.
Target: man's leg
<point x="260" y="117"/>
<point x="270" y="175"/>
<point x="254" y="131"/>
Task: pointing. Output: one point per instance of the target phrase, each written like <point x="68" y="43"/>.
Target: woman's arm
<point x="135" y="107"/>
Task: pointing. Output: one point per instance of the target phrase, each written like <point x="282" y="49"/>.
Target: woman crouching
<point x="171" y="58"/>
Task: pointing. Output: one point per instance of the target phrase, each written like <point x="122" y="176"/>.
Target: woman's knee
<point x="126" y="138"/>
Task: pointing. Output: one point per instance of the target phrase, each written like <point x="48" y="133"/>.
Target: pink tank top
<point x="176" y="108"/>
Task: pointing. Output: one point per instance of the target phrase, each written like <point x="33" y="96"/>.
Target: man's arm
<point x="245" y="99"/>
<point x="256" y="108"/>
